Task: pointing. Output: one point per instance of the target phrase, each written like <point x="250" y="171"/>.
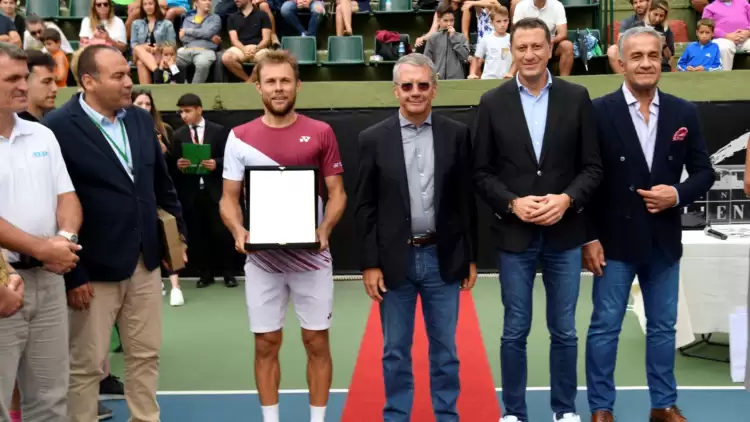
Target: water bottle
<point x="387" y="5"/>
<point x="401" y="47"/>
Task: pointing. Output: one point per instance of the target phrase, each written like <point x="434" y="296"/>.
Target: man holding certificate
<point x="417" y="229"/>
<point x="282" y="138"/>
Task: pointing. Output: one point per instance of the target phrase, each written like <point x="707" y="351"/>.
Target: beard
<point x="282" y="110"/>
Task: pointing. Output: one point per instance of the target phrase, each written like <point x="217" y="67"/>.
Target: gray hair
<point x="13" y="51"/>
<point x="635" y="31"/>
<point x="418" y="60"/>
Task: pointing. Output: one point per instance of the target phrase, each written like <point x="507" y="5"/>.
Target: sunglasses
<point x="102" y="5"/>
<point x="35" y="33"/>
<point x="421" y="86"/>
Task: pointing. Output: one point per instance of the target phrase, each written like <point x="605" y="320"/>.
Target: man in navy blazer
<point x="647" y="137"/>
<point x="116" y="165"/>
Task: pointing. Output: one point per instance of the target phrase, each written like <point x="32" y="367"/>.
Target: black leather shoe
<point x="205" y="281"/>
<point x="230" y="281"/>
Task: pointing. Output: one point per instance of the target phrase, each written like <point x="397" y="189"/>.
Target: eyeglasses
<point x="102" y="5"/>
<point x="35" y="33"/>
<point x="421" y="86"/>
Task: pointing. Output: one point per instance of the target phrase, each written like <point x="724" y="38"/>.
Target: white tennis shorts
<point x="267" y="296"/>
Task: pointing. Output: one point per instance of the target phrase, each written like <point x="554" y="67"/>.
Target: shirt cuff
<point x="676" y="192"/>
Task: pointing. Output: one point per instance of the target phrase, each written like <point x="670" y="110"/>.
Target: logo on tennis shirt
<point x="40" y="154"/>
<point x="304" y="138"/>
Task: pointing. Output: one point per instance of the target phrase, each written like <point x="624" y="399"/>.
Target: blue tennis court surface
<point x="699" y="405"/>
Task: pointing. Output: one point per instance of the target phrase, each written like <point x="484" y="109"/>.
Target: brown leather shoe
<point x="602" y="416"/>
<point x="670" y="414"/>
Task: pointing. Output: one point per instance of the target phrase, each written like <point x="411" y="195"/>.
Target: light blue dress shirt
<point x="115" y="133"/>
<point x="535" y="111"/>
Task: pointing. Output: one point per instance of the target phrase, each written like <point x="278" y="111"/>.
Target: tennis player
<point x="282" y="137"/>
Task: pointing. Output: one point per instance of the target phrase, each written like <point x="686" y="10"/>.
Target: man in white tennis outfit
<point x="281" y="137"/>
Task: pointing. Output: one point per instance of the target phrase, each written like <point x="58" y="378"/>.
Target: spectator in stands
<point x="732" y="32"/>
<point x="344" y="11"/>
<point x="640" y="9"/>
<point x="51" y="40"/>
<point x="147" y="34"/>
<point x="8" y="8"/>
<point x="317" y="12"/>
<point x="657" y="19"/>
<point x="168" y="72"/>
<point x="493" y="51"/>
<point x="177" y="8"/>
<point x="199" y="46"/>
<point x="448" y="49"/>
<point x="702" y="55"/>
<point x="34" y="28"/>
<point x="8" y="32"/>
<point x="250" y="33"/>
<point x="700" y="5"/>
<point x="458" y="12"/>
<point x="101" y="26"/>
<point x="552" y="12"/>
<point x="479" y="9"/>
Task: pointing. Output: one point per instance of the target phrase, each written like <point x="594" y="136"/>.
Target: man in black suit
<point x="119" y="173"/>
<point x="417" y="227"/>
<point x="536" y="165"/>
<point x="647" y="138"/>
<point x="211" y="246"/>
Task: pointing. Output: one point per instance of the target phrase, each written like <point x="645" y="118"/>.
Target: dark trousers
<point x="440" y="309"/>
<point x="561" y="274"/>
<point x="659" y="281"/>
<point x="210" y="245"/>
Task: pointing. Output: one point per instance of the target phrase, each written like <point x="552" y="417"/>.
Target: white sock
<point x="317" y="414"/>
<point x="271" y="413"/>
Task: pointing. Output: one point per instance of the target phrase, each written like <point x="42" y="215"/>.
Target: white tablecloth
<point x="714" y="278"/>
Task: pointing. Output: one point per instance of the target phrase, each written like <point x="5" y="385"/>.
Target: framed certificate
<point x="281" y="207"/>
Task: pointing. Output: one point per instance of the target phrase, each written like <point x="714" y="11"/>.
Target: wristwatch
<point x="70" y="236"/>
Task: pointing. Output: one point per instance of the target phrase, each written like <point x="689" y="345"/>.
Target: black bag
<point x="427" y="4"/>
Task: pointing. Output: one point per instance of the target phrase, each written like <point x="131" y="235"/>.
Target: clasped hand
<point x="659" y="198"/>
<point x="542" y="210"/>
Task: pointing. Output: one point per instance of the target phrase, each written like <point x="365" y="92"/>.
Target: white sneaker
<point x="509" y="419"/>
<point x="163" y="292"/>
<point x="568" y="417"/>
<point x="176" y="298"/>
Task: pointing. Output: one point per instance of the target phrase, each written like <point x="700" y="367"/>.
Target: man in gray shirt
<point x="417" y="228"/>
<point x="197" y="38"/>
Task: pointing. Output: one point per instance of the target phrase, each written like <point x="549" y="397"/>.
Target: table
<point x="714" y="278"/>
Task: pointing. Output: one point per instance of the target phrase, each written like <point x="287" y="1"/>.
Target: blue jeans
<point x="440" y="308"/>
<point x="659" y="282"/>
<point x="561" y="274"/>
<point x="289" y="13"/>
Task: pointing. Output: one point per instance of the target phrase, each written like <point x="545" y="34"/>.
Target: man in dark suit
<point x="117" y="168"/>
<point x="417" y="227"/>
<point x="647" y="138"/>
<point x="211" y="246"/>
<point x="537" y="164"/>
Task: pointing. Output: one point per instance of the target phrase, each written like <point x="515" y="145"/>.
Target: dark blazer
<point x="506" y="167"/>
<point x="618" y="214"/>
<point x="188" y="185"/>
<point x="383" y="213"/>
<point x="119" y="214"/>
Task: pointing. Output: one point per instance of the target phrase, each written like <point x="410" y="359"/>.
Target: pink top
<point x="728" y="17"/>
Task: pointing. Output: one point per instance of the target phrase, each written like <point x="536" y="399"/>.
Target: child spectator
<point x="481" y="9"/>
<point x="167" y="72"/>
<point x="493" y="50"/>
<point x="448" y="49"/>
<point x="657" y="19"/>
<point x="51" y="40"/>
<point x="702" y="55"/>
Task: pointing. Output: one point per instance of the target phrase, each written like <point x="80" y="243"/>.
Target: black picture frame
<point x="316" y="193"/>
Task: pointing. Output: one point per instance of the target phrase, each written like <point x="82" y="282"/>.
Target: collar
<point x="98" y="117"/>
<point x="524" y="89"/>
<point x="201" y="124"/>
<point x="546" y="3"/>
<point x="630" y="98"/>
<point x="21" y="127"/>
<point x="404" y="122"/>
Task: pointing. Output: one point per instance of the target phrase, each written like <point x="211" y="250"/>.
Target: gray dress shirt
<point x="419" y="157"/>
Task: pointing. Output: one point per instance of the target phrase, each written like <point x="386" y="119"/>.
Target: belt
<point x="27" y="263"/>
<point x="423" y="240"/>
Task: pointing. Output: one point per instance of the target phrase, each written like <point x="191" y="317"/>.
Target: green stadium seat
<point x="578" y="3"/>
<point x="79" y="8"/>
<point x="43" y="8"/>
<point x="473" y="37"/>
<point x="304" y="48"/>
<point x="74" y="44"/>
<point x="397" y="6"/>
<point x="346" y="50"/>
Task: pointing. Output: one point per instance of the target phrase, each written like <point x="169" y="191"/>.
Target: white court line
<point x="344" y="390"/>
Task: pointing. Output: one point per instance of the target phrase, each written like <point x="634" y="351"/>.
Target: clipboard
<point x="281" y="207"/>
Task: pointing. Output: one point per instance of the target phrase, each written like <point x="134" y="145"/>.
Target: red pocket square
<point x="680" y="134"/>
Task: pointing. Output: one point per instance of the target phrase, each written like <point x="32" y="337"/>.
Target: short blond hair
<point x="275" y="57"/>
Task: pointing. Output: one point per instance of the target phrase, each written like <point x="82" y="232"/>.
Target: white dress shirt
<point x="646" y="131"/>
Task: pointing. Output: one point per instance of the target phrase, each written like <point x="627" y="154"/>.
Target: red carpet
<point x="478" y="401"/>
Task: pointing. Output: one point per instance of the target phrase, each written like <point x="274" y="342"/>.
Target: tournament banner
<point x="725" y="126"/>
